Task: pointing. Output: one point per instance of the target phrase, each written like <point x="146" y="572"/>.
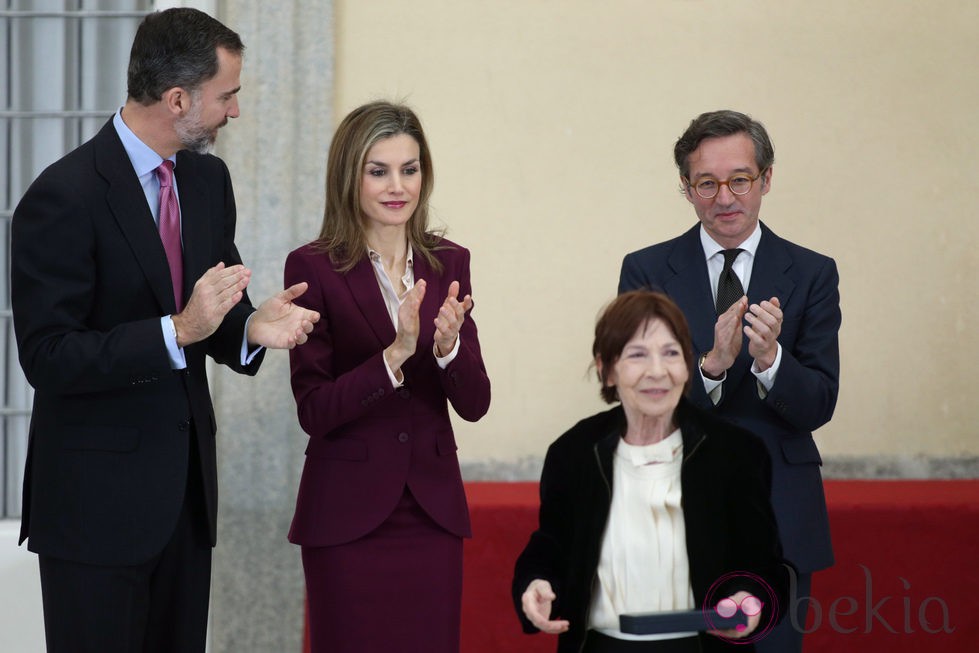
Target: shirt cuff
<point x="395" y="381"/>
<point x="713" y="386"/>
<point x="444" y="361"/>
<point x="248" y="356"/>
<point x="766" y="379"/>
<point x="176" y="353"/>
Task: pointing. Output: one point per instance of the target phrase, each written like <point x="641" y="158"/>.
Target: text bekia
<point x="932" y="612"/>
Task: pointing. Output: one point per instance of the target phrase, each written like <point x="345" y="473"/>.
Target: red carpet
<point x="904" y="579"/>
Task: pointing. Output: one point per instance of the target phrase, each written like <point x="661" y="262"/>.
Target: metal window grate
<point x="62" y="75"/>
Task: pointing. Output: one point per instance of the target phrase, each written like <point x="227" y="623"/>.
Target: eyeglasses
<point x="739" y="184"/>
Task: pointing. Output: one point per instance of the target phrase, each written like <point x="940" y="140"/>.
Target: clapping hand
<point x="406" y="340"/>
<point x="279" y="323"/>
<point x="450" y="318"/>
<point x="763" y="329"/>
<point x="215" y="293"/>
<point x="727" y="339"/>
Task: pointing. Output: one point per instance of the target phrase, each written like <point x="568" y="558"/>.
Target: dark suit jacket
<point x="366" y="439"/>
<point x="110" y="433"/>
<point x="731" y="535"/>
<point x="804" y="394"/>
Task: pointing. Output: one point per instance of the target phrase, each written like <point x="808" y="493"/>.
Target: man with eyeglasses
<point x="764" y="314"/>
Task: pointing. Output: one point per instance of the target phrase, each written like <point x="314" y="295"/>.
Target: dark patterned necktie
<point x="729" y="289"/>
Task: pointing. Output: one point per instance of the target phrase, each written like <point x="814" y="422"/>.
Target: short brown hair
<point x="619" y="322"/>
<point x="717" y="124"/>
<point x="176" y="47"/>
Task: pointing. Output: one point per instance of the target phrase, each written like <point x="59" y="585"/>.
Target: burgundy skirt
<point x="398" y="588"/>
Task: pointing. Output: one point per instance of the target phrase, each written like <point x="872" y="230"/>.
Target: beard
<point x="194" y="135"/>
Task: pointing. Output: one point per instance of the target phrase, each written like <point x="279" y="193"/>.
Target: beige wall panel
<point x="552" y="125"/>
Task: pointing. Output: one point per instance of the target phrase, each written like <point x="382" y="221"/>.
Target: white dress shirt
<point x="742" y="267"/>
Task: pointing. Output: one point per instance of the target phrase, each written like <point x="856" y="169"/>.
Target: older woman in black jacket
<point x="650" y="506"/>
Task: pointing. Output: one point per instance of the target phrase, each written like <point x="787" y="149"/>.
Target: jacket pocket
<point x="445" y="442"/>
<point x="801" y="450"/>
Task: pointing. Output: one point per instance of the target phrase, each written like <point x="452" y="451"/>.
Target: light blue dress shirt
<point x="145" y="161"/>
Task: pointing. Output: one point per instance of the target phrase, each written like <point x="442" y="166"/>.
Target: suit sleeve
<point x="633" y="277"/>
<point x="544" y="556"/>
<point x="464" y="380"/>
<point x="54" y="274"/>
<point x="326" y="400"/>
<point x="807" y="384"/>
<point x="224" y="346"/>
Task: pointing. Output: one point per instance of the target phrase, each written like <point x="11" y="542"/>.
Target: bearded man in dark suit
<point x="113" y="328"/>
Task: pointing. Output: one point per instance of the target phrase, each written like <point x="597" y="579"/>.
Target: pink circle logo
<point x="717" y="603"/>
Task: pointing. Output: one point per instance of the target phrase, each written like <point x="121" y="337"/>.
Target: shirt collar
<point x="375" y="257"/>
<point x="711" y="248"/>
<point x="141" y="155"/>
<point x="667" y="450"/>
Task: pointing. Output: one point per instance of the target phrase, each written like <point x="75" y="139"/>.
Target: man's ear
<point x="686" y="189"/>
<point x="176" y="100"/>
<point x="766" y="181"/>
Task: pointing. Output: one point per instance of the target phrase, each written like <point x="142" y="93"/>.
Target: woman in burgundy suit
<point x="381" y="511"/>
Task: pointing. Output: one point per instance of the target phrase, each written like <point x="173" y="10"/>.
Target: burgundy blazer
<point x="367" y="440"/>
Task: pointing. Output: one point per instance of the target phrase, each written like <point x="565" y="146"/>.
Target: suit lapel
<point x="127" y="202"/>
<point x="690" y="288"/>
<point x="194" y="221"/>
<point x="363" y="287"/>
<point x="768" y="273"/>
<point x="434" y="296"/>
<point x="768" y="280"/>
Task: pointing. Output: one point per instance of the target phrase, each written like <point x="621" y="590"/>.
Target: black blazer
<point x="808" y="381"/>
<point x="110" y="432"/>
<point x="725" y="481"/>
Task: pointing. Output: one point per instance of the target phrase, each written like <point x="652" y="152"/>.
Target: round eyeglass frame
<point x="726" y="182"/>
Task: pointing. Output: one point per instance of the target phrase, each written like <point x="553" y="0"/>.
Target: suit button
<point x="380" y="393"/>
<point x="184" y="425"/>
<point x="402" y="437"/>
<point x="404" y="393"/>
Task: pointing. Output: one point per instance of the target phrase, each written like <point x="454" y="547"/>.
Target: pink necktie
<point x="170" y="230"/>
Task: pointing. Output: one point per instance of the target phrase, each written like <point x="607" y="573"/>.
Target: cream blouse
<point x="643" y="565"/>
<point x="392" y="302"/>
